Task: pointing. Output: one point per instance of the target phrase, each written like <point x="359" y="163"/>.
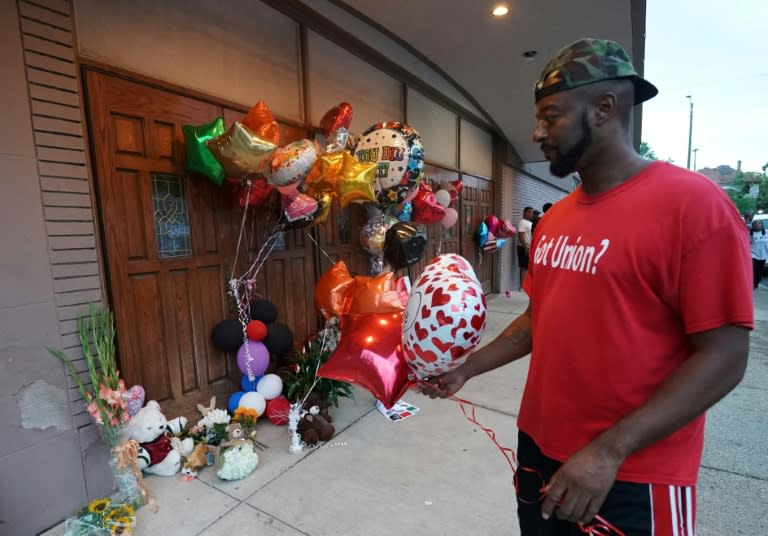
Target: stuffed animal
<point x="315" y="425"/>
<point x="237" y="456"/>
<point x="197" y="459"/>
<point x="160" y="452"/>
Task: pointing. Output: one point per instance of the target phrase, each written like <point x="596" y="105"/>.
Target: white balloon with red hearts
<point x="445" y="317"/>
<point x="451" y="262"/>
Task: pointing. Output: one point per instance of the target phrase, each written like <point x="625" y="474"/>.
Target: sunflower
<point x="123" y="510"/>
<point x="99" y="505"/>
<point x="121" y="526"/>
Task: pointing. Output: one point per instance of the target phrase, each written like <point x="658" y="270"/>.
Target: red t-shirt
<point x="617" y="281"/>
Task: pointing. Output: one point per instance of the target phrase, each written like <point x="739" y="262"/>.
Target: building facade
<point x="94" y="97"/>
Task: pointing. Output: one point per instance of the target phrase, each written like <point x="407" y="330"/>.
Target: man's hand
<point x="578" y="489"/>
<point x="445" y="385"/>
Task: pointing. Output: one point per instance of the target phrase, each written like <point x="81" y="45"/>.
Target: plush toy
<point x="197" y="459"/>
<point x="237" y="456"/>
<point x="315" y="425"/>
<point x="160" y="452"/>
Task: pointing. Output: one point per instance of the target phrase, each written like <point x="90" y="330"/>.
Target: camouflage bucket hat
<point x="588" y="61"/>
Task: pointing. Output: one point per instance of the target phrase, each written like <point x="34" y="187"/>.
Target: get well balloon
<point x="397" y="151"/>
<point x="444" y="319"/>
<point x="291" y="163"/>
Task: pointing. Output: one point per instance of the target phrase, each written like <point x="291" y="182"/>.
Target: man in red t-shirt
<point x="638" y="321"/>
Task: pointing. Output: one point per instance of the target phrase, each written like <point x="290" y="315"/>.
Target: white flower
<point x="215" y="416"/>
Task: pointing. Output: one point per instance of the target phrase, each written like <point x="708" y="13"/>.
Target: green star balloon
<point x="199" y="158"/>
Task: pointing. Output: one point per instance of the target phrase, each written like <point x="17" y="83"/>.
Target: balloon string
<point x="261" y="256"/>
<point x="597" y="528"/>
<point x="312" y="238"/>
<point x="242" y="228"/>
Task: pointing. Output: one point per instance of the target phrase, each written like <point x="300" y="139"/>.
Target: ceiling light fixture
<point x="500" y="11"/>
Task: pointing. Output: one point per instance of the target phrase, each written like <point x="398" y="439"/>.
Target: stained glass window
<point x="171" y="216"/>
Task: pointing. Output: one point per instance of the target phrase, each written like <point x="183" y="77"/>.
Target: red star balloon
<point x="370" y="354"/>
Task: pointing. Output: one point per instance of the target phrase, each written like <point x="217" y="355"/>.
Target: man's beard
<point x="563" y="165"/>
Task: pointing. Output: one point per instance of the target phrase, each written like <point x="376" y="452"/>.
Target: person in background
<point x="538" y="215"/>
<point x="631" y="340"/>
<point x="534" y="220"/>
<point x="524" y="234"/>
<point x="758" y="240"/>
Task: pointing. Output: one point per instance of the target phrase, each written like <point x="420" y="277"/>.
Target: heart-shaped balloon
<point x="254" y="195"/>
<point x="426" y="209"/>
<point x="492" y="222"/>
<point x="337" y="117"/>
<point x="134" y="399"/>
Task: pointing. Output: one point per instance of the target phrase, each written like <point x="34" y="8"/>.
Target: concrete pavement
<point x="437" y="474"/>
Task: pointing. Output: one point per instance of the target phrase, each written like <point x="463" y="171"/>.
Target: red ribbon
<point x="600" y="527"/>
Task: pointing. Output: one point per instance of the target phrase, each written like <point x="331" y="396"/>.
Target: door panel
<point x="476" y="204"/>
<point x="167" y="237"/>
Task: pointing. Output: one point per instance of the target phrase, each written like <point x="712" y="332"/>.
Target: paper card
<point x="399" y="412"/>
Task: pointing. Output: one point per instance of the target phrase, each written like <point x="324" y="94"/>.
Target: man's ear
<point x="606" y="107"/>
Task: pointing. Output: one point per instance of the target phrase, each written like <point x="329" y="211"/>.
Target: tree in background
<point x="646" y="151"/>
<point x="739" y="191"/>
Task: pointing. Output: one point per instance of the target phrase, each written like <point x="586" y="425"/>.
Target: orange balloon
<point x="377" y="294"/>
<point x="261" y="121"/>
<point x="331" y="290"/>
<point x="325" y="173"/>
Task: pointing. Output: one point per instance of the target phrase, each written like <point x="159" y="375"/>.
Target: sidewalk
<point x="437" y="474"/>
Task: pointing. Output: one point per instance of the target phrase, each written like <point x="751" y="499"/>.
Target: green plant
<point x="301" y="378"/>
<point x="105" y="402"/>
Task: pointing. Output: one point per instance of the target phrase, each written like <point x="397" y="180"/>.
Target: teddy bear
<point x="315" y="425"/>
<point x="237" y="456"/>
<point x="160" y="452"/>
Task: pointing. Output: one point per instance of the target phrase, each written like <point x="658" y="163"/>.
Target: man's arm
<point x="716" y="366"/>
<point x="512" y="344"/>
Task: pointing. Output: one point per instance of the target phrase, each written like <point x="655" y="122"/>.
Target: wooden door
<point x="339" y="239"/>
<point x="439" y="240"/>
<point x="476" y="203"/>
<point x="167" y="241"/>
<point x="287" y="278"/>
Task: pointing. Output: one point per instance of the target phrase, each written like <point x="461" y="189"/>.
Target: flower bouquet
<point x="106" y="403"/>
<point x="102" y="517"/>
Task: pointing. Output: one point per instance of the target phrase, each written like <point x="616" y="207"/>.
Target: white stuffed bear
<point x="160" y="452"/>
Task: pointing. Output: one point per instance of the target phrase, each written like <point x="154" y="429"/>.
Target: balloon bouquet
<point x="492" y="233"/>
<point x="404" y="201"/>
<point x="392" y="337"/>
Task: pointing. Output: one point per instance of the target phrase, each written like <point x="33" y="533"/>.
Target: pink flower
<point x="93" y="410"/>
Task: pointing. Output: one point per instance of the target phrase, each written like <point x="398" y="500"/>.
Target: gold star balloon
<point x="325" y="173"/>
<point x="355" y="181"/>
<point x="239" y="151"/>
